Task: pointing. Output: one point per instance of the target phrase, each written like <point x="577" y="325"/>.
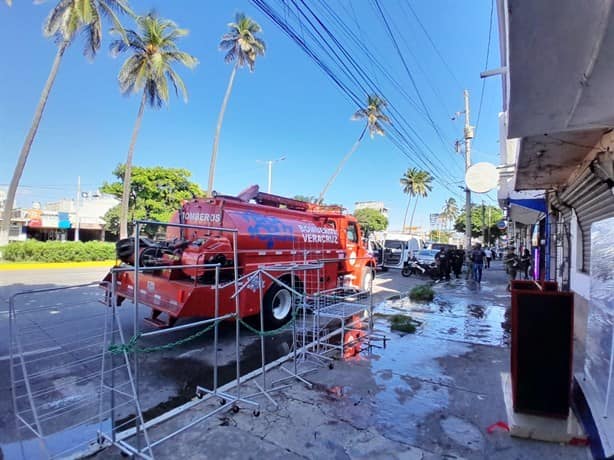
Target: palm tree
<point x="149" y="69"/>
<point x="416" y="183"/>
<point x="242" y="46"/>
<point x="449" y="211"/>
<point x="64" y="23"/>
<point x="375" y="117"/>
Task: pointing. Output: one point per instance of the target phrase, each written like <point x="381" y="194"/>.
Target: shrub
<point x="58" y="251"/>
<point x="403" y="323"/>
<point x="422" y="292"/>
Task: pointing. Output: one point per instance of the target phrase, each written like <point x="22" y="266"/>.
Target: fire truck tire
<point x="368" y="275"/>
<point x="277" y="306"/>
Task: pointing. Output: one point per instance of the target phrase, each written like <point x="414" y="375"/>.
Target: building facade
<point x="557" y="164"/>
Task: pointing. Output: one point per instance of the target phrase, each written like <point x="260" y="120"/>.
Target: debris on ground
<point x="422" y="292"/>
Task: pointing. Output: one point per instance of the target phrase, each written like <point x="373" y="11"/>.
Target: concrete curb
<point x="56" y="265"/>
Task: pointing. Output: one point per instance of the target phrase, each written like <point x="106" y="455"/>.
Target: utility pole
<point x="468" y="135"/>
<point x="483" y="223"/>
<point x="77" y="202"/>
<point x="270" y="169"/>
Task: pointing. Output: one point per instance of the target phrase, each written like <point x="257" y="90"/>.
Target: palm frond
<point x="240" y="42"/>
<point x="178" y="83"/>
<point x="154" y="52"/>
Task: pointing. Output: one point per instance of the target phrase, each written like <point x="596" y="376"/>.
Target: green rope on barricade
<point x="131" y="346"/>
<point x="271" y="332"/>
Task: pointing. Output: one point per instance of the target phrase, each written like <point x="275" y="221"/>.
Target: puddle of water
<point x="65" y="443"/>
<point x="189" y="372"/>
<point x="457" y="318"/>
<point x="412" y="385"/>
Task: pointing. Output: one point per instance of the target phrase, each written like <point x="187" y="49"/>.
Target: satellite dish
<point x="482" y="177"/>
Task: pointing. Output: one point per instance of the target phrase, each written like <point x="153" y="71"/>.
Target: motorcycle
<point x="412" y="267"/>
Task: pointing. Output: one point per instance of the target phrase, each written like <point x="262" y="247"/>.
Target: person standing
<point x="477" y="260"/>
<point x="444" y="264"/>
<point x="512" y="263"/>
<point x="457" y="261"/>
<point x="488" y="253"/>
<point x="525" y="263"/>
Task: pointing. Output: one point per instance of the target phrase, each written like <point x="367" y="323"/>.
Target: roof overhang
<point x="560" y="62"/>
<point x="547" y="161"/>
<point x="561" y="66"/>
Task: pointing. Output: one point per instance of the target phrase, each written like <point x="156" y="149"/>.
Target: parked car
<point x="426" y="256"/>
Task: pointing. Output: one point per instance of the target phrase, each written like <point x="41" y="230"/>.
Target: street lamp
<point x="270" y="169"/>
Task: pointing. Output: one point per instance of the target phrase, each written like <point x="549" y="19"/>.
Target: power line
<point x="400" y="129"/>
<point x="492" y="8"/>
<point x="428" y="36"/>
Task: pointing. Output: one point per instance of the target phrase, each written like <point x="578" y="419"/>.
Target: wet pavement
<point x="426" y="395"/>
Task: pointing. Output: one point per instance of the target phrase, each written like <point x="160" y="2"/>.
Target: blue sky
<point x="287" y="107"/>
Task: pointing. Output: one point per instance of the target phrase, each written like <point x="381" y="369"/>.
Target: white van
<point x="398" y="248"/>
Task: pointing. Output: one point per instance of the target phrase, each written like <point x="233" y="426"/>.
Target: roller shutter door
<point x="592" y="199"/>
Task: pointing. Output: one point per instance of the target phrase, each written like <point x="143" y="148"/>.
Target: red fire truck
<point x="269" y="230"/>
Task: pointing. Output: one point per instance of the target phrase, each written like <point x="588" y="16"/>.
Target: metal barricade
<point x="59" y="340"/>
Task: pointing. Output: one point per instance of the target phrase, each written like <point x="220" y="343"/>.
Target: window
<point x="352" y="233"/>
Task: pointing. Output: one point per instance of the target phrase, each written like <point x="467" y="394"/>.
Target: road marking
<point x="29" y="353"/>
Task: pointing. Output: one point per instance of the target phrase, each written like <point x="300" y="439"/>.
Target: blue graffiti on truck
<point x="267" y="228"/>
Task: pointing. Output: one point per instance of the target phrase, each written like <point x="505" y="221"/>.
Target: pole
<point x="488" y="224"/>
<point x="78" y="223"/>
<point x="269" y="164"/>
<point x="468" y="136"/>
<point x="483" y="223"/>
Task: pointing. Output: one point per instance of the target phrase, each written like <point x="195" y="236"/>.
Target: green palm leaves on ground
<point x="373" y="113"/>
<point x="242" y="46"/>
<point x="416" y="183"/>
<point x="66" y="20"/>
<point x="149" y="69"/>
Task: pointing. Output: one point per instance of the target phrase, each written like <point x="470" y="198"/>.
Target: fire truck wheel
<point x="367" y="279"/>
<point x="277" y="305"/>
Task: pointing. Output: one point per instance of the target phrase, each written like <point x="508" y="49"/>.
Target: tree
<point x="242" y="47"/>
<point x="439" y="236"/>
<point x="155" y="193"/>
<point x="64" y="23"/>
<point x="149" y="69"/>
<point x="416" y="183"/>
<point x="371" y="220"/>
<point x="449" y="211"/>
<point x="482" y="217"/>
<point x="375" y="117"/>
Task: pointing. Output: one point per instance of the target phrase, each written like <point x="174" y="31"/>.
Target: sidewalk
<point x="427" y="395"/>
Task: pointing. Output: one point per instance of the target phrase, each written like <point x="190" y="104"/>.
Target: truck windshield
<point x="394" y="244"/>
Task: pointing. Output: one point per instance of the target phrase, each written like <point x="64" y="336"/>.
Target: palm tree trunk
<point x="123" y="214"/>
<point x="343" y="161"/>
<point x="405" y="216"/>
<point x="411" y="220"/>
<point x="218" y="129"/>
<point x="27" y="145"/>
